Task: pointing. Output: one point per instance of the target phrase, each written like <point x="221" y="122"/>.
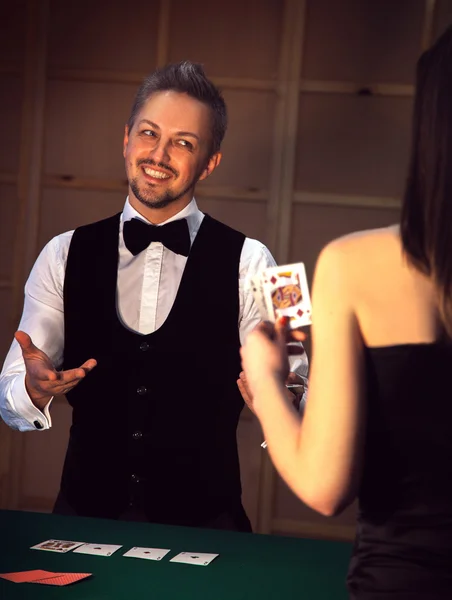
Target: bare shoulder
<point x="364" y="240"/>
<point x="344" y="262"/>
<point x="362" y="246"/>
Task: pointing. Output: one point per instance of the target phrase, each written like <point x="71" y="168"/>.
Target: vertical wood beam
<point x="427" y="29"/>
<point x="29" y="198"/>
<point x="290" y="130"/>
<point x="163" y="33"/>
<point x="280" y="204"/>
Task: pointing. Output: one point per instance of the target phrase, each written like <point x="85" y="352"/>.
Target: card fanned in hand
<point x="283" y="292"/>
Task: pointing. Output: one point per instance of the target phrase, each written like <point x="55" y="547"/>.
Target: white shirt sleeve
<point x="256" y="257"/>
<point x="43" y="320"/>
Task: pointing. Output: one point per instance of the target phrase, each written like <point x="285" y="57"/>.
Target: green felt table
<point x="248" y="566"/>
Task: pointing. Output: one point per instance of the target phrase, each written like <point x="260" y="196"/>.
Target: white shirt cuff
<point x="26" y="410"/>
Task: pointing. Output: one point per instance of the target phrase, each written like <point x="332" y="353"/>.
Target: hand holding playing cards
<point x="265" y="354"/>
<point x="293" y="378"/>
<point x="42" y="380"/>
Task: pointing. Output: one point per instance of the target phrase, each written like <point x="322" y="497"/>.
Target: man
<point x="138" y="319"/>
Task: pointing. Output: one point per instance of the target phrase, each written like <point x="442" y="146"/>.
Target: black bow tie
<point x="174" y="236"/>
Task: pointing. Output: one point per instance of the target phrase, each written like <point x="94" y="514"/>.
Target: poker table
<point x="249" y="566"/>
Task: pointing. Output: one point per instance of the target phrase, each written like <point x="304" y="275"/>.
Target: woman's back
<point x="393" y="302"/>
<point x="404" y="535"/>
<point x="377" y="424"/>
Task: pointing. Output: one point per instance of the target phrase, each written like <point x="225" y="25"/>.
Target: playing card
<point x="255" y="283"/>
<point x="148" y="553"/>
<point x="63" y="578"/>
<point x="194" y="558"/>
<point x="97" y="549"/>
<point x="44" y="577"/>
<point x="286" y="294"/>
<point x="57" y="546"/>
<point x="26" y="576"/>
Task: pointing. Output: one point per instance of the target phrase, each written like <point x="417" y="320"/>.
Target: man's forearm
<point x="16" y="408"/>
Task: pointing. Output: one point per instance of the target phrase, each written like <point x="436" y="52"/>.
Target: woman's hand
<point x="265" y="353"/>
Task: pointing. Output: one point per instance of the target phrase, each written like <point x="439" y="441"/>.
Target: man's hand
<point x="293" y="378"/>
<point x="42" y="380"/>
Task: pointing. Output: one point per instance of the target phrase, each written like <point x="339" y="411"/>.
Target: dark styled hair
<point x="186" y="78"/>
<point x="426" y="220"/>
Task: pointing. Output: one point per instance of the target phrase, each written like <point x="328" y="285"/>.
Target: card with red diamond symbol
<point x="283" y="292"/>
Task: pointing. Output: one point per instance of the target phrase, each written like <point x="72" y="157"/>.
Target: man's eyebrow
<point x="154" y="125"/>
<point x="188" y="134"/>
<point x="183" y="133"/>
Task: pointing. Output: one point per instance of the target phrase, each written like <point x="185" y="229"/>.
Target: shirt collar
<point x="191" y="212"/>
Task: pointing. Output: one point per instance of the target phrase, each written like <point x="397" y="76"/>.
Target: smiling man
<point x="138" y="319"/>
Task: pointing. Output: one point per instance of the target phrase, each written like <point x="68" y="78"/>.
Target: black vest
<point x="154" y="424"/>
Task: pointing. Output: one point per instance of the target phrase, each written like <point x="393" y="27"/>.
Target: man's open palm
<point x="42" y="380"/>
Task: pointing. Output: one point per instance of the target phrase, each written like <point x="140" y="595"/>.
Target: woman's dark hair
<point x="186" y="78"/>
<point x="426" y="221"/>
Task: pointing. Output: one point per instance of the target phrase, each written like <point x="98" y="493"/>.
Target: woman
<point x="378" y="422"/>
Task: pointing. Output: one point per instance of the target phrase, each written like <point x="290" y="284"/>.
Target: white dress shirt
<point x="155" y="273"/>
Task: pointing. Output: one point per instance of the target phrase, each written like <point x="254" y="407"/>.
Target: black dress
<point x="403" y="547"/>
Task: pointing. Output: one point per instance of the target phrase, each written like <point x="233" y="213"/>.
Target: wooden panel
<point x="101" y="34"/>
<point x="8" y="226"/>
<point x="232" y="39"/>
<point x="249" y="439"/>
<point x="248" y="217"/>
<point x="85" y="128"/>
<point x="12" y="39"/>
<point x="10" y="115"/>
<point x="314" y="226"/>
<point x="63" y="210"/>
<point x="353" y="144"/>
<point x="6" y="325"/>
<point x="352" y="40"/>
<point x="247" y="149"/>
<point x="443" y="17"/>
<point x="43" y="459"/>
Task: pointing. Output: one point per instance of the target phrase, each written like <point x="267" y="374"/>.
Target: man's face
<point x="167" y="150"/>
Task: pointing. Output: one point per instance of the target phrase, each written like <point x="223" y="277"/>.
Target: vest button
<point x="144" y="346"/>
<point x="135" y="478"/>
<point x="141" y="390"/>
<point x="137" y="435"/>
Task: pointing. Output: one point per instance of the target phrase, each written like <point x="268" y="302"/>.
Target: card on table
<point x="63" y="578"/>
<point x="147" y="553"/>
<point x="194" y="558"/>
<point x="283" y="292"/>
<point x="97" y="549"/>
<point x="26" y="576"/>
<point x="44" y="577"/>
<point x="57" y="545"/>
